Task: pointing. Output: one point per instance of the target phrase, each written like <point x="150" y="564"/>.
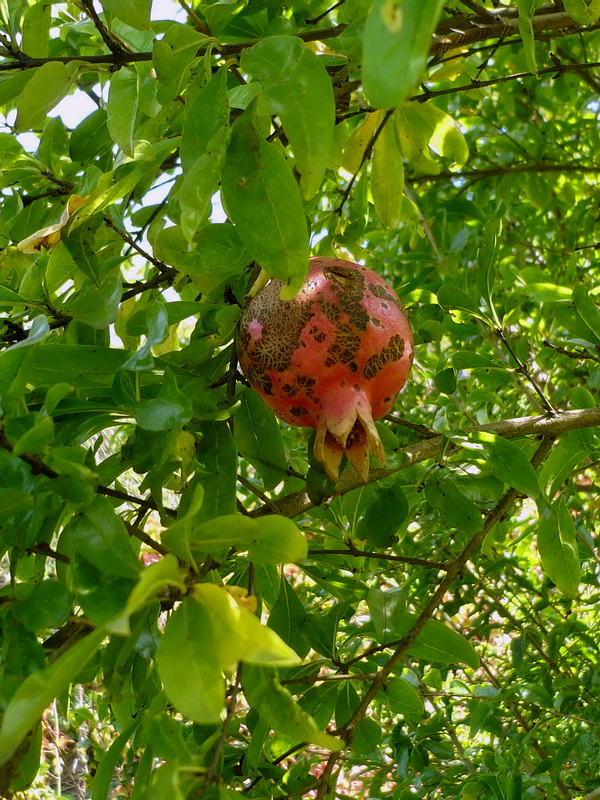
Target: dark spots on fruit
<point x="376" y="322"/>
<point x="329" y="310"/>
<point x="282" y="325"/>
<point x="383" y="294"/>
<point x="348" y="284"/>
<point x="386" y="399"/>
<point x="393" y="352"/>
<point x="356" y="387"/>
<point x="347" y="342"/>
<point x="259" y="379"/>
<point x="298" y="411"/>
<point x="289" y="390"/>
<point x="318" y="335"/>
<point x="353" y="366"/>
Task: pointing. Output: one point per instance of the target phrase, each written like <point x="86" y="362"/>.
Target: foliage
<point x="190" y="609"/>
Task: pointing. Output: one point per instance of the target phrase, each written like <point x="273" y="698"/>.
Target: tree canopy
<point x="189" y="607"/>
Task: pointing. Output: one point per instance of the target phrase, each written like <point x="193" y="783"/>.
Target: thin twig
<point x="115" y="47"/>
<point x="258" y="492"/>
<point x="419" y="562"/>
<point x="365" y="157"/>
<point x="524" y="370"/>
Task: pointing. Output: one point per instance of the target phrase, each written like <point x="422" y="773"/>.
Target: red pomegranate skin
<point x="332" y="358"/>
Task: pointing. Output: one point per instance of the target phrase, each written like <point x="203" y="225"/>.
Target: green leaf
<point x="36" y="438"/>
<point x="386" y="511"/>
<point x="48" y="605"/>
<point x="39" y="689"/>
<point x="169" y="410"/>
<point x="258" y="439"/>
<point x="50" y="83"/>
<point x="101" y="537"/>
<point x="582" y="12"/>
<point x="402" y="698"/>
<point x="222" y="532"/>
<point x="396" y="43"/>
<point x="278" y="708"/>
<point x="438" y="642"/>
<point x="569" y="318"/>
<point x="36" y="30"/>
<point x="260" y="194"/>
<point x="206" y="115"/>
<point x="204" y="141"/>
<point x="526" y="12"/>
<point x="133" y="12"/>
<point x="468" y="360"/>
<point x="288" y="617"/>
<point x="15" y="501"/>
<point x="13" y="86"/>
<point x="171" y="57"/>
<point x="508" y="462"/>
<point x="218" y="253"/>
<point x="587" y="310"/>
<point x="387" y="176"/>
<point x="445" y="380"/>
<point x="81" y="244"/>
<point x="451" y="297"/>
<point x="78" y="365"/>
<point x="109" y="761"/>
<point x="10" y="298"/>
<point x="386" y="609"/>
<point x="200" y="182"/>
<point x="278" y="541"/>
<point x="153" y="580"/>
<point x="122" y="108"/>
<point x="297" y="89"/>
<point x="562" y="461"/>
<point x="188" y="664"/>
<point x="557" y="546"/>
<point x="457" y="511"/>
<point x="219" y="457"/>
<point x="178" y="535"/>
<point x="97" y="306"/>
<point x="110" y="189"/>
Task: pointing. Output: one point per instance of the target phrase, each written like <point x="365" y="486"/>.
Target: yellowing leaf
<point x="439" y="131"/>
<point x="50" y="235"/>
<point x="358" y="142"/>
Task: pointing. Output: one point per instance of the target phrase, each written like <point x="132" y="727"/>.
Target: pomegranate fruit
<point x="332" y="358"/>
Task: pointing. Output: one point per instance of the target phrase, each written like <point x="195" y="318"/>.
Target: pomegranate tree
<point x="333" y="358"/>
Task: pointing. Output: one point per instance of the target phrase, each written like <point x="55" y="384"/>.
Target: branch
<point x="418" y="562"/>
<point x="442" y="40"/>
<point x="299" y="502"/>
<point x="481" y="174"/>
<point x="113" y="45"/>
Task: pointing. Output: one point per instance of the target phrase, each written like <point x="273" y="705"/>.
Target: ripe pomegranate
<point x="333" y="358"/>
